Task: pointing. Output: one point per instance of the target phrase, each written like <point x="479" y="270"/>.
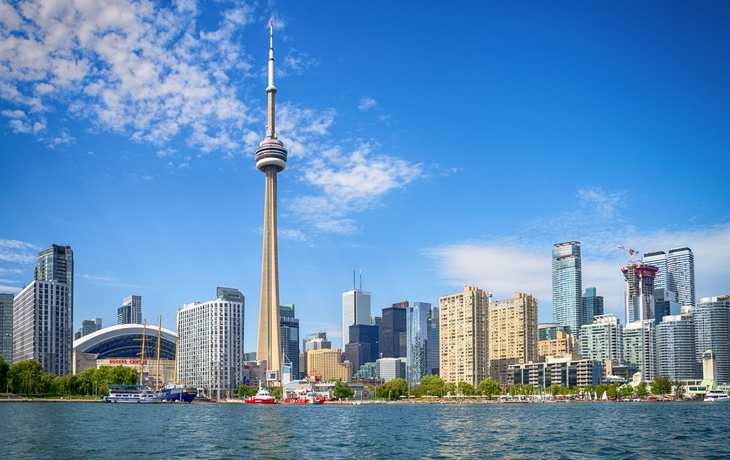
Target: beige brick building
<point x="512" y="334"/>
<point x="463" y="337"/>
<point x="328" y="363"/>
<point x="564" y="344"/>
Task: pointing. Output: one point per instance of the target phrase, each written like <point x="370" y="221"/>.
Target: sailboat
<point x="604" y="397"/>
<point x="177" y="392"/>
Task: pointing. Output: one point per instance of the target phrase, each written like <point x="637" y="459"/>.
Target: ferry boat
<point x="131" y="394"/>
<point x="262" y="397"/>
<point x="177" y="392"/>
<point x="305" y="397"/>
<point x="717" y="396"/>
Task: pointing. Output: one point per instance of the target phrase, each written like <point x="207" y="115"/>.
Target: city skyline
<point x="153" y="156"/>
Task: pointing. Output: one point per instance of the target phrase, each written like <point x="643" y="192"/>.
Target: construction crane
<point x="631" y="251"/>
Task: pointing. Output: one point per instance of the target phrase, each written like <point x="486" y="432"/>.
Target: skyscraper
<point x="640" y="347"/>
<point x="88" y="326"/>
<point x="417" y="342"/>
<point x="681" y="273"/>
<point x="665" y="304"/>
<point x="56" y="263"/>
<point x="658" y="259"/>
<point x="6" y="327"/>
<point x="639" y="292"/>
<point x="270" y="159"/>
<point x="290" y="338"/>
<point x="210" y="345"/>
<point x="712" y="332"/>
<point x="394" y="323"/>
<point x="676" y="347"/>
<point x="131" y="310"/>
<point x="41" y="326"/>
<point x="309" y="337"/>
<point x="567" y="287"/>
<point x="364" y="345"/>
<point x="592" y="305"/>
<point x="355" y="310"/>
<point x="512" y="334"/>
<point x="603" y="340"/>
<point x="463" y="336"/>
<point x="432" y="345"/>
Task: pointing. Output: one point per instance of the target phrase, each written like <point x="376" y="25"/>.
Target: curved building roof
<point x="124" y="341"/>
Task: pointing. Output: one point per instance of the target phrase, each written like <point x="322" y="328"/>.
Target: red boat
<point x="305" y="398"/>
<point x="262" y="397"/>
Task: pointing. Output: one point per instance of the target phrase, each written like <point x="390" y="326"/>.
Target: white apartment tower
<point x="41" y="325"/>
<point x="355" y="310"/>
<point x="602" y="340"/>
<point x="210" y="343"/>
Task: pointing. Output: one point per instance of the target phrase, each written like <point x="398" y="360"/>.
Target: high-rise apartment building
<point x="564" y="344"/>
<point x="394" y="324"/>
<point x="56" y="263"/>
<point x="41" y="326"/>
<point x="88" y="326"/>
<point x="640" y="347"/>
<point x="6" y="327"/>
<point x="417" y="317"/>
<point x="131" y="310"/>
<point x="463" y="336"/>
<point x="355" y="310"/>
<point x="567" y="287"/>
<point x="210" y="343"/>
<point x="549" y="331"/>
<point x="512" y="335"/>
<point x="290" y="338"/>
<point x="675" y="273"/>
<point x="676" y="347"/>
<point x="603" y="340"/>
<point x="388" y="369"/>
<point x="592" y="305"/>
<point x="681" y="273"/>
<point x="432" y="345"/>
<point x="712" y="332"/>
<point x="639" y="292"/>
<point x="664" y="304"/>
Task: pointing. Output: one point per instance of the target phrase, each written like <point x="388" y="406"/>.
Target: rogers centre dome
<point x="124" y="341"/>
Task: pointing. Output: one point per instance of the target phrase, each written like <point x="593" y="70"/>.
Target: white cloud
<point x="13" y="113"/>
<point x="291" y="234"/>
<point x="10" y="270"/>
<point x="132" y="67"/>
<point x="183" y="166"/>
<point x="522" y="262"/>
<point x="17" y="251"/>
<point x="62" y="139"/>
<point x="145" y="177"/>
<point x="169" y="152"/>
<point x="367" y="103"/>
<point x="10" y="289"/>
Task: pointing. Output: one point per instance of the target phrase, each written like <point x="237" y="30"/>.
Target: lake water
<point x="515" y="431"/>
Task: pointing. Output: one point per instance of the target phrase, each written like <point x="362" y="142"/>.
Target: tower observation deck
<point x="270" y="159"/>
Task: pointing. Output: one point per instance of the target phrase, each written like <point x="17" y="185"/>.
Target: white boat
<point x="131" y="394"/>
<point x="717" y="396"/>
<point x="604" y="397"/>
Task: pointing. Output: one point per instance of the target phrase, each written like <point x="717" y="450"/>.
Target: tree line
<point x="27" y="377"/>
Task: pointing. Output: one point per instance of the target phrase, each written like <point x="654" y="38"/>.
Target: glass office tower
<point x="567" y="288"/>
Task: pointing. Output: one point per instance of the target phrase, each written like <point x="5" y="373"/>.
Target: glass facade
<point x="289" y="327"/>
<point x="712" y="329"/>
<point x="131" y="310"/>
<point x="6" y="327"/>
<point x="681" y="275"/>
<point x="640" y="347"/>
<point x="567" y="289"/>
<point x="664" y="304"/>
<point x="549" y="331"/>
<point x="592" y="305"/>
<point x="432" y="344"/>
<point x="355" y="310"/>
<point x="676" y="346"/>
<point x="417" y="342"/>
<point x="602" y="340"/>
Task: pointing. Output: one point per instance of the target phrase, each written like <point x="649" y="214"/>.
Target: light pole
<point x="389" y="391"/>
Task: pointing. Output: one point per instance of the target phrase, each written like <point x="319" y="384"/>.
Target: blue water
<point x="514" y="431"/>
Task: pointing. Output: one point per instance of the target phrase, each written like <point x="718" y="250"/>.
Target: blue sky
<point x="431" y="147"/>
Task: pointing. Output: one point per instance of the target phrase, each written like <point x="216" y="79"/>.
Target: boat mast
<point x="159" y="333"/>
<point x="141" y="365"/>
<point x="177" y="339"/>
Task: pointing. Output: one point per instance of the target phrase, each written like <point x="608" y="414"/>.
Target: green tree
<point x="4" y="369"/>
<point x="46" y="383"/>
<point x="243" y="391"/>
<point x="342" y="391"/>
<point x="642" y="390"/>
<point x="449" y="389"/>
<point x="465" y="388"/>
<point x="489" y="387"/>
<point x="430" y="385"/>
<point x="118" y="375"/>
<point x="277" y="392"/>
<point x="679" y="390"/>
<point x="613" y="390"/>
<point x="25" y="377"/>
<point x="393" y="389"/>
<point x="588" y="389"/>
<point x="626" y="391"/>
<point x="661" y="385"/>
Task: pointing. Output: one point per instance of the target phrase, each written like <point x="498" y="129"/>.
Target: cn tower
<point x="270" y="159"/>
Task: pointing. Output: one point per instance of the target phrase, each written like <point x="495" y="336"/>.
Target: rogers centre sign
<point x="126" y="361"/>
